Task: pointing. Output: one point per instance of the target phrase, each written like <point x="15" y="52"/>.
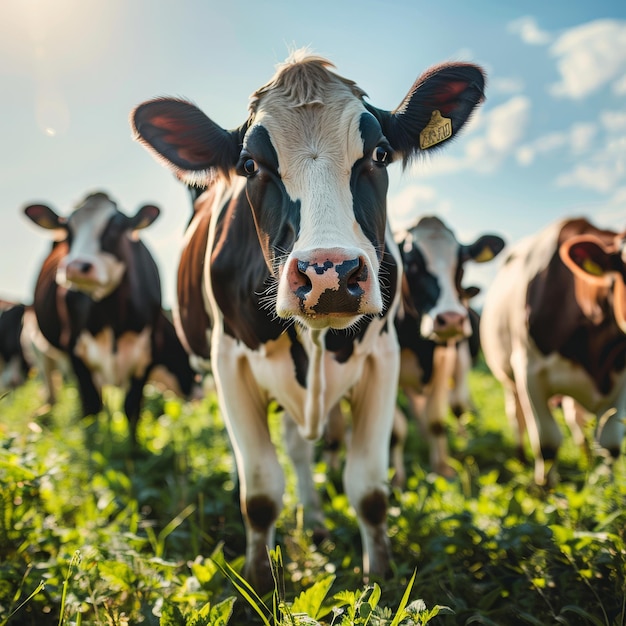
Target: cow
<point x="554" y="324"/>
<point x="14" y="366"/>
<point x="287" y="282"/>
<point x="434" y="325"/>
<point x="98" y="298"/>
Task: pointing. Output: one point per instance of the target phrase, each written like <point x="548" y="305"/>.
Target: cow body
<point x="553" y="324"/>
<point x="288" y="278"/>
<point x="98" y="298"/>
<point x="434" y="326"/>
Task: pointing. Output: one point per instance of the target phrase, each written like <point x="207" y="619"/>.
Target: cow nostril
<point x="355" y="276"/>
<point x="85" y="267"/>
<point x="303" y="281"/>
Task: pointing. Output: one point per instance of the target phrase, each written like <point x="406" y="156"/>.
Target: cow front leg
<point x="261" y="479"/>
<point x="90" y="395"/>
<point x="132" y="406"/>
<point x="437" y="409"/>
<point x="367" y="461"/>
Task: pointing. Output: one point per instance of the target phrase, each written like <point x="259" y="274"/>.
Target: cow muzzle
<point x="96" y="277"/>
<point x="446" y="326"/>
<point x="329" y="288"/>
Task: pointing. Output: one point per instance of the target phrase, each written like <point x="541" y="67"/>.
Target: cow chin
<point x="336" y="321"/>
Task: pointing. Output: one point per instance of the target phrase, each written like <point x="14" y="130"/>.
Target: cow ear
<point x="145" y="216"/>
<point x="181" y="136"/>
<point x="45" y="217"/>
<point x="483" y="249"/>
<point x="587" y="258"/>
<point x="435" y="109"/>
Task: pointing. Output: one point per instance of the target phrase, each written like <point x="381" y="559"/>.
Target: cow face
<point x="433" y="271"/>
<point x="602" y="268"/>
<point x="96" y="235"/>
<point x="314" y="156"/>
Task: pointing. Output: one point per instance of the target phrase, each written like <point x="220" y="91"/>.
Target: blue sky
<point x="550" y="140"/>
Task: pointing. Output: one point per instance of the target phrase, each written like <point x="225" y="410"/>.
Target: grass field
<point x="91" y="536"/>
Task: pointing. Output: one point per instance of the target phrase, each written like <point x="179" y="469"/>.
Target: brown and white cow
<point x="554" y="323"/>
<point x="288" y="278"/>
<point x="98" y="298"/>
<point x="434" y="325"/>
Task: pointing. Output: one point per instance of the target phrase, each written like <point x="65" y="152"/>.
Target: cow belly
<point x="562" y="376"/>
<point x="115" y="362"/>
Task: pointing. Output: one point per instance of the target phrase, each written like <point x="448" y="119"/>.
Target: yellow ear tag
<point x="485" y="255"/>
<point x="591" y="267"/>
<point x="437" y="130"/>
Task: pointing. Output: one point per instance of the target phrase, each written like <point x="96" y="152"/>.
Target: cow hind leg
<point x="90" y="397"/>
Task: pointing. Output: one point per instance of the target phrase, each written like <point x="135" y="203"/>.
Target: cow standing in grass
<point x="289" y="274"/>
<point x="98" y="298"/>
<point x="433" y="325"/>
<point x="554" y="324"/>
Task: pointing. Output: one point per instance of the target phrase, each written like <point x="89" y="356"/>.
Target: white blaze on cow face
<point x="87" y="267"/>
<point x="448" y="318"/>
<point x="330" y="276"/>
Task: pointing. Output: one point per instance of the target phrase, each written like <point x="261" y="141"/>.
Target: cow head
<point x="602" y="268"/>
<point x="433" y="270"/>
<point x="96" y="235"/>
<point x="314" y="155"/>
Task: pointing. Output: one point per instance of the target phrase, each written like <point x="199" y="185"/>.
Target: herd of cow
<point x="291" y="288"/>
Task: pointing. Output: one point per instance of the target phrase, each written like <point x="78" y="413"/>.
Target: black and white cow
<point x="98" y="298"/>
<point x="288" y="278"/>
<point x="554" y="323"/>
<point x="434" y="325"/>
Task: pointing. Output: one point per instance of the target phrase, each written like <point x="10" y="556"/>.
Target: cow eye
<point x="250" y="167"/>
<point x="380" y="155"/>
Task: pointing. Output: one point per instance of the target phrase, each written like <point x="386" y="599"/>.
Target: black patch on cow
<point x="261" y="511"/>
<point x="369" y="182"/>
<point x="373" y="508"/>
<point x="240" y="277"/>
<point x="277" y="217"/>
<point x="11" y="321"/>
<point x="420" y="288"/>
<point x="298" y="356"/>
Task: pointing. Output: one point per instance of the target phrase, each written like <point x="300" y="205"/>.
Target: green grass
<point x="91" y="536"/>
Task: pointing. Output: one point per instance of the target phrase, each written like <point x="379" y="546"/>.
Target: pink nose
<point x="449" y="324"/>
<point x="329" y="282"/>
<point x="78" y="269"/>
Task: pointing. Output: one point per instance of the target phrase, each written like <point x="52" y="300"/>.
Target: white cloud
<point x="578" y="139"/>
<point x="581" y="137"/>
<point x="602" y="177"/>
<point x="529" y="32"/>
<point x="495" y="135"/>
<point x="590" y="56"/>
<point x="411" y="203"/>
<point x="613" y="121"/>
<point x="506" y="85"/>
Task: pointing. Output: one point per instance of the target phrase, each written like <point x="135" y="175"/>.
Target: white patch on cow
<point x="439" y="247"/>
<point x="316" y="170"/>
<point x="86" y="267"/>
<point x="115" y="363"/>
